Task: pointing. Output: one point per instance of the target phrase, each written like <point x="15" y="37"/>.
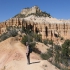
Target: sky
<point x="59" y="9"/>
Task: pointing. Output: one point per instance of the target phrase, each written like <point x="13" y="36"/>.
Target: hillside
<point x="13" y="57"/>
<point x="32" y="11"/>
<point x="37" y="27"/>
<point x="43" y="19"/>
<point x="36" y="15"/>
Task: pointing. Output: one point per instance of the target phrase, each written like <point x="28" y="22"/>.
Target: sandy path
<point x="13" y="57"/>
<point x="35" y="65"/>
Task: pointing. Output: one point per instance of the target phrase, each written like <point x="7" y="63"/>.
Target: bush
<point x="34" y="49"/>
<point x="32" y="45"/>
<point x="20" y="15"/>
<point x="45" y="41"/>
<point x="45" y="56"/>
<point x="66" y="49"/>
<point x="26" y="38"/>
<point x="50" y="42"/>
<point x="11" y="33"/>
<point x="9" y="28"/>
<point x="44" y="14"/>
<point x="4" y="36"/>
<point x="37" y="37"/>
<point x="57" y="65"/>
<point x="48" y="54"/>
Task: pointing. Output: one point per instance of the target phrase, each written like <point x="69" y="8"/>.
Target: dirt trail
<point x="35" y="65"/>
<point x="13" y="57"/>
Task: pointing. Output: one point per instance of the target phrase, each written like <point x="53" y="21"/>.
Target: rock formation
<point x="49" y="27"/>
<point x="27" y="11"/>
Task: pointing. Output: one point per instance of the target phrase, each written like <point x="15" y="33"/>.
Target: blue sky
<point x="59" y="9"/>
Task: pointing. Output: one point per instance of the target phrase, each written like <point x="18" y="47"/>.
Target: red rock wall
<point x="47" y="30"/>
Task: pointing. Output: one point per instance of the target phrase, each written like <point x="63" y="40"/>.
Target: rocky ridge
<point x="35" y="10"/>
<point x="42" y="21"/>
<point x="35" y="14"/>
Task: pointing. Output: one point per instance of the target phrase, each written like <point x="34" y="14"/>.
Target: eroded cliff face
<point x="41" y="23"/>
<point x="48" y="30"/>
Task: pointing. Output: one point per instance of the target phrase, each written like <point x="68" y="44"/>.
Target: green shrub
<point x="20" y="15"/>
<point x="26" y="38"/>
<point x="66" y="49"/>
<point x="11" y="33"/>
<point x="44" y="14"/>
<point x="45" y="56"/>
<point x="50" y="42"/>
<point x="32" y="44"/>
<point x="34" y="49"/>
<point x="9" y="28"/>
<point x="48" y="54"/>
<point x="45" y="41"/>
<point x="4" y="36"/>
<point x="37" y="37"/>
